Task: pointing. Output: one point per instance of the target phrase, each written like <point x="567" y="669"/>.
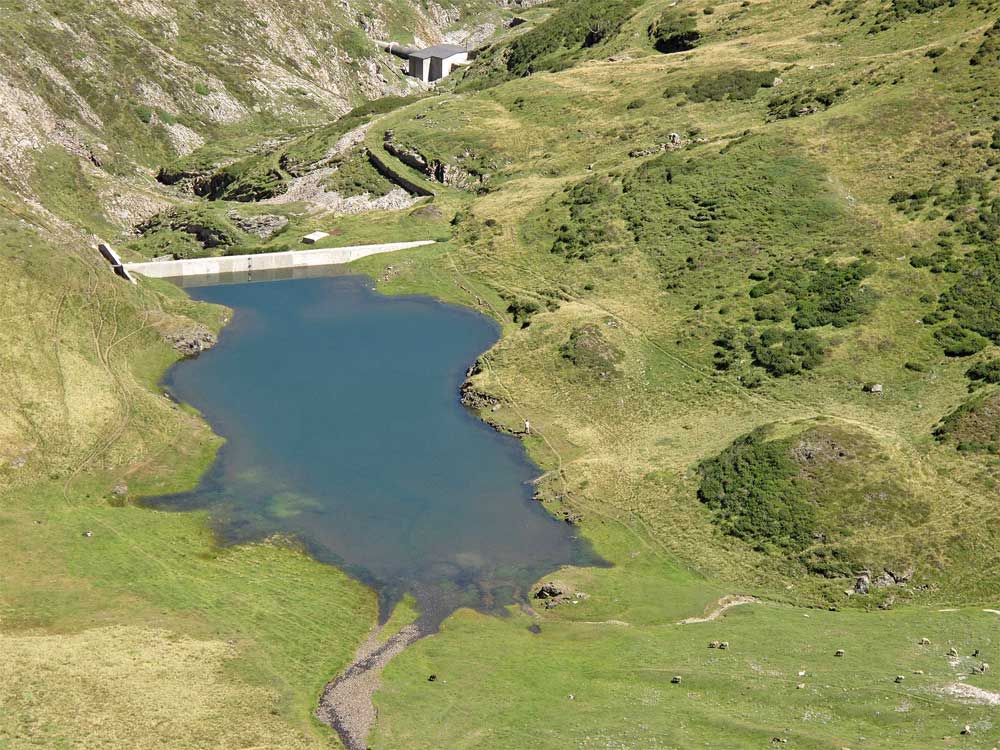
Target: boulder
<point x="549" y="590"/>
<point x="191" y="342"/>
<point x="863" y="584"/>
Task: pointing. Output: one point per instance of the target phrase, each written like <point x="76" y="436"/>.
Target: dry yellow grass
<point x="121" y="686"/>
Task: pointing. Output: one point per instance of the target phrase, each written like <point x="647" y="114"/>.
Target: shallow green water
<point x="341" y="412"/>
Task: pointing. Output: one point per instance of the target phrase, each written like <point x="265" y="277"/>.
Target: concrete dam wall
<point x="175" y="269"/>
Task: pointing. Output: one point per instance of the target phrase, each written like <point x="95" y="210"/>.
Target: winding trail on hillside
<point x="721" y="607"/>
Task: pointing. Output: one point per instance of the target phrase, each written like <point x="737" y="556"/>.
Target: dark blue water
<point x="341" y="412"/>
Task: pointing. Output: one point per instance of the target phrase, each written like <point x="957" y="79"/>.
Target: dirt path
<point x="726" y="602"/>
<point x="346" y="704"/>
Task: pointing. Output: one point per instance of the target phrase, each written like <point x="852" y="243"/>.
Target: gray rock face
<point x="192" y="341"/>
<point x="863" y="584"/>
<point x="264" y="226"/>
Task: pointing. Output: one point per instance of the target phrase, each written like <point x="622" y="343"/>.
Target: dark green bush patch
<point x="673" y="32"/>
<point x="750" y="486"/>
<point x="974" y="426"/>
<point x="820" y="292"/>
<point x="988" y="52"/>
<point x="588" y="348"/>
<point x="975" y="297"/>
<point x="973" y="213"/>
<point x="521" y="310"/>
<point x="809" y="495"/>
<point x="677" y="207"/>
<point x="594" y="219"/>
<point x="730" y="84"/>
<point x="782" y="352"/>
<point x="959" y="342"/>
<point x="574" y="27"/>
<point x="987" y="371"/>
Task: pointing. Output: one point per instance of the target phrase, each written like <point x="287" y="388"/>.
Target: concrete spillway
<point x="174" y="269"/>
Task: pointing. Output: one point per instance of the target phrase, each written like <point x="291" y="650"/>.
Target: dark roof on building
<point x="439" y="50"/>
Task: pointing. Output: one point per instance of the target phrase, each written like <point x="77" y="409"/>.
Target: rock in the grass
<point x="192" y="341"/>
<point x="724" y="645"/>
<point x="840" y="652"/>
<point x="863" y="584"/>
<point x="884" y="580"/>
<point x="120" y="490"/>
<point x="952" y="652"/>
<point x="675" y="680"/>
<point x="967" y="729"/>
<point x="800" y="686"/>
<point x="901" y="577"/>
<point x="899" y="678"/>
<point x="263" y="226"/>
<point x="88" y="534"/>
<point x="432" y="678"/>
<point x="715" y="644"/>
<point x="549" y="591"/>
<point x="925" y="642"/>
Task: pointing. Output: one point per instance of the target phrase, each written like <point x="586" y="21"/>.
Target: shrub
<point x="201" y="89"/>
<point x="988" y="371"/>
<point x="730" y="84"/>
<point x="959" y="342"/>
<point x="522" y="310"/>
<point x="576" y="26"/>
<point x="989" y="51"/>
<point x="674" y="32"/>
<point x="781" y="352"/>
<point x="751" y="488"/>
<point x="822" y="293"/>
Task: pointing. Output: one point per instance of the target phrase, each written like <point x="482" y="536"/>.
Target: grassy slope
<point x="621" y="452"/>
<point x="624" y="451"/>
<point x="213" y="632"/>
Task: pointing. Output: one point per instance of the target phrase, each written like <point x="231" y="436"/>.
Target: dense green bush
<point x="674" y="32"/>
<point x="730" y="84"/>
<point x="782" y="352"/>
<point x="988" y="371"/>
<point x="958" y="341"/>
<point x="751" y="488"/>
<point x="975" y="297"/>
<point x="575" y="26"/>
<point x="973" y="426"/>
<point x="988" y="52"/>
<point x="593" y="210"/>
<point x="522" y="310"/>
<point x="821" y="293"/>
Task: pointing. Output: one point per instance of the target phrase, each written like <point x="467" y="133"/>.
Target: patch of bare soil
<point x="725" y="603"/>
<point x="346" y="704"/>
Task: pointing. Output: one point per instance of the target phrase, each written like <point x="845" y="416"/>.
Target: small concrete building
<point x="435" y="63"/>
<point x="431" y="64"/>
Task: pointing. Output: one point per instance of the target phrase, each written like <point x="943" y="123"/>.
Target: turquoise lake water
<point x="341" y="412"/>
